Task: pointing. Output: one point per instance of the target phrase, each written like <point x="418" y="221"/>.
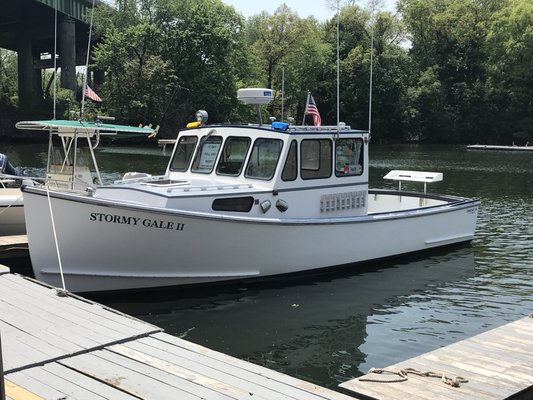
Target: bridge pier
<point x="25" y="73"/>
<point x="27" y="27"/>
<point x="67" y="50"/>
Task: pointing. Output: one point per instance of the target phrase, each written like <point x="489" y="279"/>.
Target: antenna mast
<point x="84" y="87"/>
<point x="373" y="5"/>
<point x="55" y="59"/>
<point x="338" y="67"/>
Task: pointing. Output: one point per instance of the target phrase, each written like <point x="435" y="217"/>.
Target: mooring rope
<point x="403" y="376"/>
<point x="59" y="292"/>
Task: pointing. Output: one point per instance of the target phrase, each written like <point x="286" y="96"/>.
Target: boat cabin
<point x="303" y="171"/>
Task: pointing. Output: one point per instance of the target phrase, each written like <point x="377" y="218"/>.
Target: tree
<point x="284" y="44"/>
<point x="510" y="77"/>
<point x="164" y="59"/>
<point x="447" y="39"/>
<point x="391" y="68"/>
<point x="8" y="79"/>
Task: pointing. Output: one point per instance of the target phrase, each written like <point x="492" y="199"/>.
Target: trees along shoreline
<point x="445" y="71"/>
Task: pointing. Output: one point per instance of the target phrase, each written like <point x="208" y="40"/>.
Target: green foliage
<point x="165" y="59"/>
<point x="283" y="44"/>
<point x="8" y="80"/>
<point x="509" y="45"/>
<point x="463" y="76"/>
<point x="447" y="43"/>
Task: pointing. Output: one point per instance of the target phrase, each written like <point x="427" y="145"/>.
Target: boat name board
<point x="136" y="221"/>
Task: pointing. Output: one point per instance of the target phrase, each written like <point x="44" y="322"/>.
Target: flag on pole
<point x="91" y="94"/>
<point x="311" y="109"/>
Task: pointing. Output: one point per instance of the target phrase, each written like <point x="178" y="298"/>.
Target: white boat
<point x="11" y="212"/>
<point x="236" y="202"/>
<point x="11" y="206"/>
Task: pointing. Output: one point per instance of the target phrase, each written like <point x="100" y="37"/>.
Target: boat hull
<point x="107" y="246"/>
<point x="11" y="212"/>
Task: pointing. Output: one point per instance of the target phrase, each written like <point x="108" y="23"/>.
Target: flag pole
<point x="306" y="103"/>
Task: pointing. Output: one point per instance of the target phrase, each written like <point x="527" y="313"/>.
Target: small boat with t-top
<point x="11" y="205"/>
<point x="236" y="202"/>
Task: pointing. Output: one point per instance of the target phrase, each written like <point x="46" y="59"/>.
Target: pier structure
<point x="64" y="346"/>
<point x="494" y="365"/>
<point x="28" y="27"/>
<point x="56" y="345"/>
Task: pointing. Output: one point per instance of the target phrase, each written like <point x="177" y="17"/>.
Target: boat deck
<point x="498" y="364"/>
<point x="58" y="347"/>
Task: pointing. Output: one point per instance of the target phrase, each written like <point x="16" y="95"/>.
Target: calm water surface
<point x="330" y="328"/>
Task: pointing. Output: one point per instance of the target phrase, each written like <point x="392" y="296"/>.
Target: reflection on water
<point x="329" y="328"/>
<point x="313" y="327"/>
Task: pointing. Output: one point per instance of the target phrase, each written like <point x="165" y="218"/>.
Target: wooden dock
<point x="67" y="347"/>
<point x="498" y="364"/>
<point x="13" y="246"/>
<point x="499" y="148"/>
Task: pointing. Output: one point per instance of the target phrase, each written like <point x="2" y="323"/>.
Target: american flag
<point x="91" y="94"/>
<point x="311" y="109"/>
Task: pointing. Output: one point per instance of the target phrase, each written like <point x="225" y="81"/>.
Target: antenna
<point x="282" y="90"/>
<point x="55" y="59"/>
<point x="338" y="67"/>
<point x="372" y="7"/>
<point x="84" y="87"/>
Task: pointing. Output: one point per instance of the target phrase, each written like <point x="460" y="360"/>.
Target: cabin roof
<point x="289" y="130"/>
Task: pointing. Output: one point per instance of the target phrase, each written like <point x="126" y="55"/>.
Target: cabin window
<point x="290" y="172"/>
<point x="206" y="155"/>
<point x="264" y="158"/>
<point x="183" y="155"/>
<point x="316" y="158"/>
<point x="233" y="156"/>
<point x="237" y="204"/>
<point x="348" y="157"/>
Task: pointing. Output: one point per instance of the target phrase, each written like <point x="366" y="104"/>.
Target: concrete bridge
<point x="28" y="27"/>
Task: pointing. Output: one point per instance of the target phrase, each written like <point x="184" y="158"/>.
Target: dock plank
<point x="50" y="326"/>
<point x="251" y="372"/>
<point x="478" y="386"/>
<point x="207" y="377"/>
<point x="73" y="305"/>
<point x="69" y="347"/>
<point x="54" y="381"/>
<point x="137" y="379"/>
<point x="498" y="364"/>
<point x="16" y="392"/>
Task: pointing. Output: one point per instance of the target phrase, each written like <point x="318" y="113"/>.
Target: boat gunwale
<point x="452" y="202"/>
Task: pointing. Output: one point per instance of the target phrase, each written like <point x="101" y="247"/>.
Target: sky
<point x="304" y="8"/>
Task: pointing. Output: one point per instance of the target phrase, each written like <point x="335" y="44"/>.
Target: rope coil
<point x="403" y="376"/>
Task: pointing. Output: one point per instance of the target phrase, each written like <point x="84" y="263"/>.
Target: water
<point x="329" y="328"/>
